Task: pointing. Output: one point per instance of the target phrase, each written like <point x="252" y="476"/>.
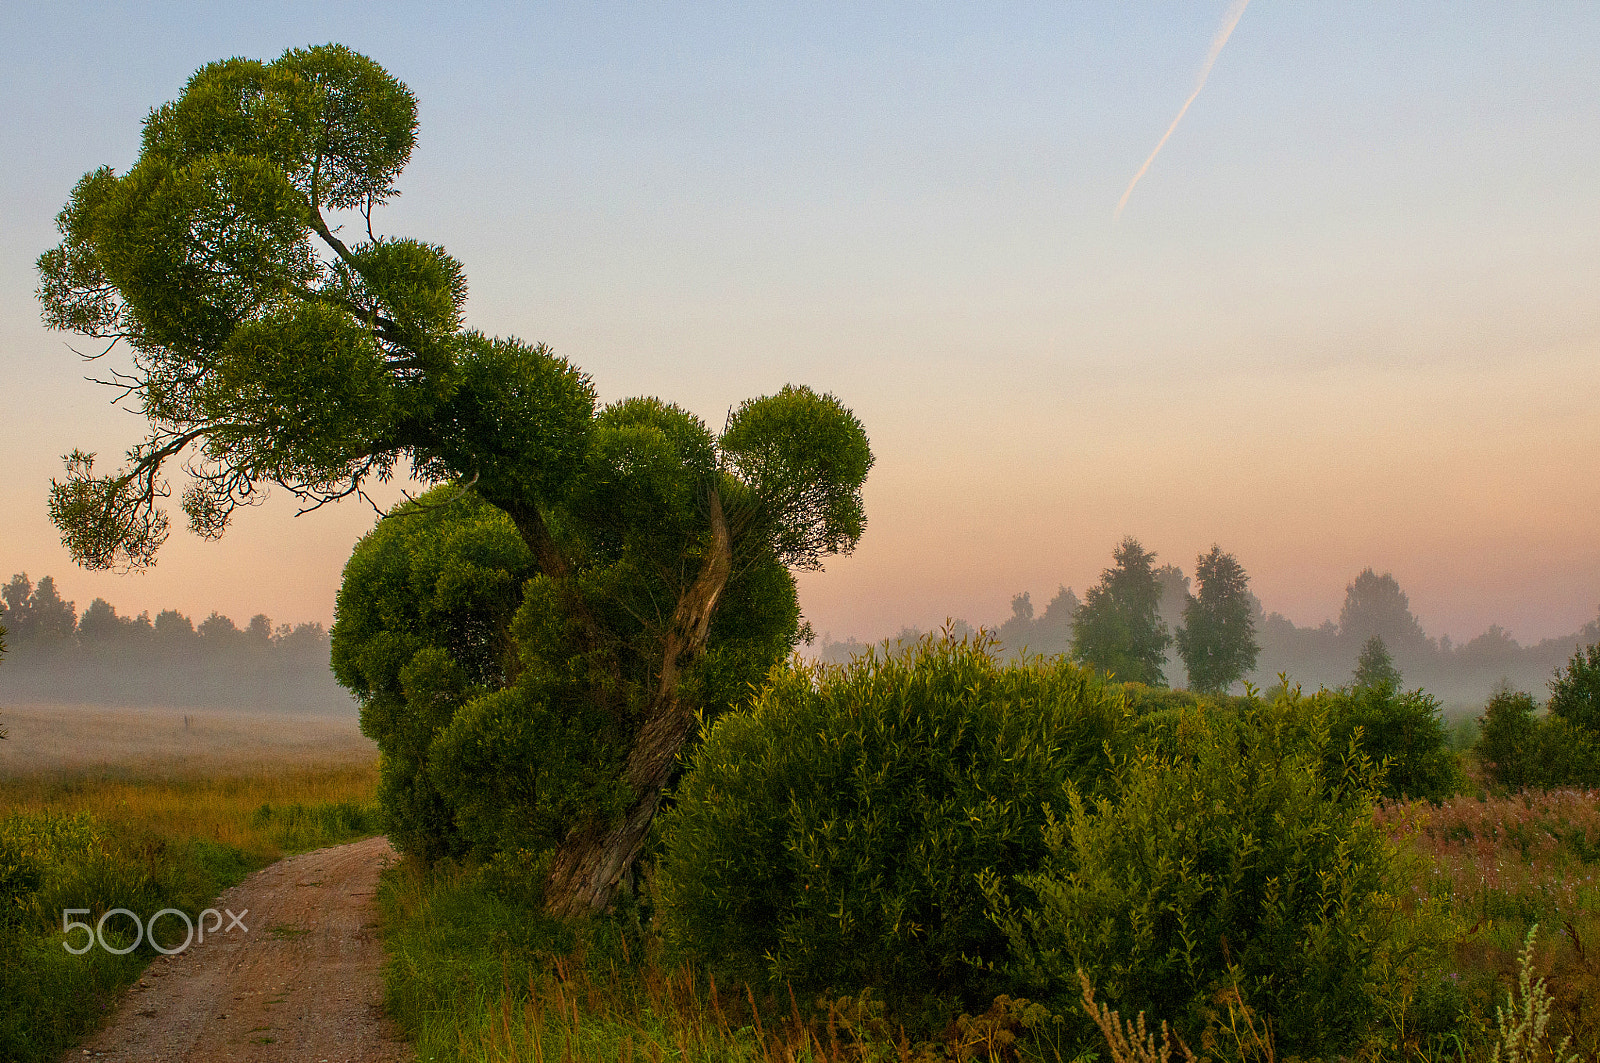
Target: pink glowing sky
<point x="1349" y="317"/>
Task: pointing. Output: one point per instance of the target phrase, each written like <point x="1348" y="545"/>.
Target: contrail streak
<point x="1230" y="20"/>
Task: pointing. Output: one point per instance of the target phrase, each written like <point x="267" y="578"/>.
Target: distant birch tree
<point x="1217" y="641"/>
<point x="1118" y="629"/>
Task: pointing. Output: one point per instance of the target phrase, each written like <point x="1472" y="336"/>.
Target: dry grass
<point x="1530" y="857"/>
<point x="1132" y="1042"/>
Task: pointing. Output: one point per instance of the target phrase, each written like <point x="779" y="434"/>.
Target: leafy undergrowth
<point x="100" y="842"/>
<point x="475" y="976"/>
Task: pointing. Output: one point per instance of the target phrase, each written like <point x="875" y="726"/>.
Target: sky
<point x="1349" y="317"/>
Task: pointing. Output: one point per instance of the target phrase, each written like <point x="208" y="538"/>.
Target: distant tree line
<point x="1122" y="634"/>
<point x="1129" y="623"/>
<point x="1375" y="607"/>
<point x="102" y="657"/>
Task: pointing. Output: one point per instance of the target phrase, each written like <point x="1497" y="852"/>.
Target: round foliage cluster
<point x="1575" y="691"/>
<point x="832" y="835"/>
<point x="1509" y="741"/>
<point x="1226" y="857"/>
<point x="422" y="625"/>
<point x="1521" y="749"/>
<point x="498" y="731"/>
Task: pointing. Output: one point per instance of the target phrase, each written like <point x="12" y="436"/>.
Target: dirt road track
<point x="302" y="984"/>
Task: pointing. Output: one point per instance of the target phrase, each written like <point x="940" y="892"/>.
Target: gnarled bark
<point x="590" y="863"/>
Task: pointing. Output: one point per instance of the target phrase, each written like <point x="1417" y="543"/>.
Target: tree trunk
<point x="590" y="863"/>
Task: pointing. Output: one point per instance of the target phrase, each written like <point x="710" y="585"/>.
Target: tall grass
<point x="1524" y="858"/>
<point x="1503" y="865"/>
<point x="224" y="809"/>
<point x="477" y="977"/>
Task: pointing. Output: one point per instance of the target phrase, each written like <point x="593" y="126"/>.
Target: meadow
<point x="146" y="809"/>
<point x="64" y="740"/>
<point x="1501" y="864"/>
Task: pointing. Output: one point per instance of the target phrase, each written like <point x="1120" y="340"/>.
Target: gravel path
<point x="301" y="984"/>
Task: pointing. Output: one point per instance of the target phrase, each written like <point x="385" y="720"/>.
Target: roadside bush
<point x="832" y="836"/>
<point x="517" y="767"/>
<point x="1402" y="731"/>
<point x="1237" y="862"/>
<point x="500" y="724"/>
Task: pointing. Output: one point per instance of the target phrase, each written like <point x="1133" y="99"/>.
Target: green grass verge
<point x="56" y="855"/>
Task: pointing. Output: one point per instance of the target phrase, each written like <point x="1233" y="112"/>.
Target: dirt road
<point x="301" y="983"/>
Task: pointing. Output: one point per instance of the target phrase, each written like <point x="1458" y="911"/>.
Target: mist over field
<point x="1462" y="675"/>
<point x="105" y="659"/>
<point x="92" y="739"/>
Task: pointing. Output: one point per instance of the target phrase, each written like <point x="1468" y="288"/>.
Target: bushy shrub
<point x="517" y="767"/>
<point x="832" y="836"/>
<point x="1521" y="750"/>
<point x="1236" y="861"/>
<point x="1402" y="731"/>
<point x="1144" y="699"/>
<point x="1507" y="739"/>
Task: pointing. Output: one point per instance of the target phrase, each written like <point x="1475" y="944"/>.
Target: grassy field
<point x="144" y="810"/>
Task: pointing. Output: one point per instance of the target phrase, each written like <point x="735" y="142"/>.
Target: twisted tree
<point x="266" y="348"/>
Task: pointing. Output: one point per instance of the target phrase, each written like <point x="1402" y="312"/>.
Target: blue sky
<point x="1348" y="318"/>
